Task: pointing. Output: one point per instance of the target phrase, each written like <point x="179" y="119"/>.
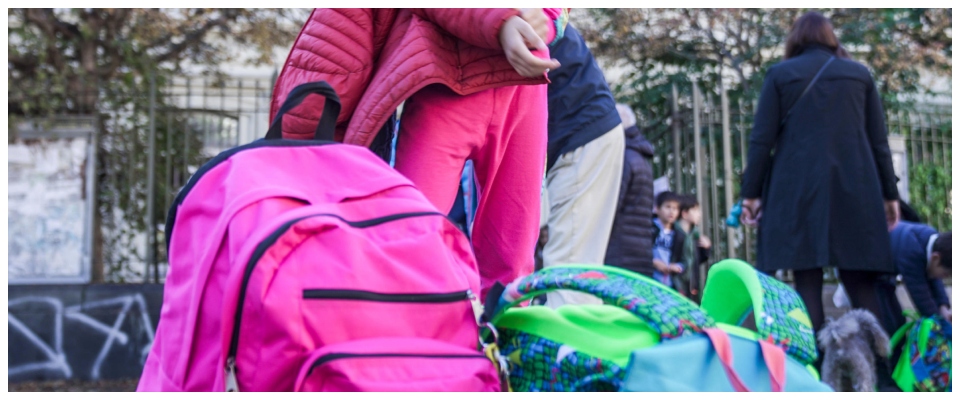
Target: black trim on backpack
<point x="272" y="239"/>
<point x="339" y="356"/>
<point x="223" y="156"/>
<point x="351" y="294"/>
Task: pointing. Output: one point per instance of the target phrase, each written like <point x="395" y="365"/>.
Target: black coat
<point x="823" y="198"/>
<point x="631" y="239"/>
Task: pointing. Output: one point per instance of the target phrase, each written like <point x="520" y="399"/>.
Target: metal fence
<point x="148" y="154"/>
<point x="148" y="147"/>
<point x="701" y="149"/>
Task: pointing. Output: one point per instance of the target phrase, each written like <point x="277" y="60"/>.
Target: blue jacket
<point x="909" y="243"/>
<point x="579" y="103"/>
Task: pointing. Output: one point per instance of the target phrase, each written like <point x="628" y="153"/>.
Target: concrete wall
<point x="49" y="208"/>
<point x="85" y="332"/>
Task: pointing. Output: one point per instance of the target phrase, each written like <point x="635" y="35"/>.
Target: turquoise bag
<point x="717" y="362"/>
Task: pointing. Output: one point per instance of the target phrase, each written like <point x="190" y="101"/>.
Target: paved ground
<point x="127" y="385"/>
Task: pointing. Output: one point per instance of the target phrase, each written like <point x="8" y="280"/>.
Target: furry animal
<point x="850" y="345"/>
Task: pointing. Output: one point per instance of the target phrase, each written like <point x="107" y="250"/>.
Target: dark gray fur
<point x="850" y="345"/>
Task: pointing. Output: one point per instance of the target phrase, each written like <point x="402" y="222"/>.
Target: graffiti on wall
<point x="49" y="338"/>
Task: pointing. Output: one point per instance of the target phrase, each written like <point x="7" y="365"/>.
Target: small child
<point x="696" y="247"/>
<point x="923" y="258"/>
<point x="667" y="240"/>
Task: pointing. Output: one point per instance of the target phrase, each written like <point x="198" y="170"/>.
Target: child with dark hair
<point x="667" y="239"/>
<point x="923" y="258"/>
<point x="696" y="247"/>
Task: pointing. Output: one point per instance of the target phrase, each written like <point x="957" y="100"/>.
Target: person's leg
<point x="891" y="313"/>
<point x="861" y="287"/>
<point x="584" y="187"/>
<point x="509" y="169"/>
<point x="809" y="285"/>
<point x="438" y="130"/>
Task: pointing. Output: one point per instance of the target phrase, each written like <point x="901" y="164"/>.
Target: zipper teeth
<point x="346" y="294"/>
<point x="339" y="356"/>
<point x="270" y="240"/>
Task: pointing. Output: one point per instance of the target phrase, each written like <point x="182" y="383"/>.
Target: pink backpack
<point x="312" y="265"/>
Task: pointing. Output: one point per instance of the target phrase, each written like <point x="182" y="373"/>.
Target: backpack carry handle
<point x="773" y="356"/>
<point x="663" y="309"/>
<point x="328" y="120"/>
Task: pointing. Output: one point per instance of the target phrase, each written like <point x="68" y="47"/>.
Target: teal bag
<point x="717" y="362"/>
<point x="590" y="347"/>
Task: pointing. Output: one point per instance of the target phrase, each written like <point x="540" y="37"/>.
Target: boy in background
<point x="923" y="258"/>
<point x="696" y="247"/>
<point x="667" y="240"/>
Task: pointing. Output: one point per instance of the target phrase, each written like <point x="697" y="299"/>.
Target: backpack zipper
<point x="339" y="356"/>
<point x="349" y="294"/>
<point x="231" y="370"/>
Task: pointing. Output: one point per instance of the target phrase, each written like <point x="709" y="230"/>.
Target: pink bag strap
<point x="776" y="361"/>
<point x="773" y="357"/>
<point x="721" y="344"/>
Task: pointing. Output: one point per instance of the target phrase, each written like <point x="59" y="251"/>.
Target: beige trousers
<point x="582" y="190"/>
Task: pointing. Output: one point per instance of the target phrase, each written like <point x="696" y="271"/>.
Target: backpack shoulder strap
<point x="662" y="308"/>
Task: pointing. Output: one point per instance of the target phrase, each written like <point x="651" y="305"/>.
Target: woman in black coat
<point x="828" y="193"/>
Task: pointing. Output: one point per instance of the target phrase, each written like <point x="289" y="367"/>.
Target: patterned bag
<point x="925" y="363"/>
<point x="585" y="347"/>
<point x="734" y="289"/>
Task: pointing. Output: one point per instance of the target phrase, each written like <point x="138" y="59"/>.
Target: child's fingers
<point x="530" y="65"/>
<point x="530" y="37"/>
<point x="537" y="19"/>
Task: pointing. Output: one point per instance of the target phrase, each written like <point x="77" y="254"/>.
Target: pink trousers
<point x="504" y="132"/>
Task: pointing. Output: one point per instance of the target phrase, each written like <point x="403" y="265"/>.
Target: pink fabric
<point x="504" y="132"/>
<point x="392" y="53"/>
<point x="238" y="204"/>
<point x="397" y="365"/>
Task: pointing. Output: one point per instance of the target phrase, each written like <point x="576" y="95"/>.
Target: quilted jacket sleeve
<point x="477" y="26"/>
<point x="481" y="26"/>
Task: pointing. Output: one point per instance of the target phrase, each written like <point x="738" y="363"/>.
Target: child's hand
<point x="705" y="242"/>
<point x="517" y="37"/>
<point x="946" y="314"/>
<point x="537" y="20"/>
<point x="676" y="268"/>
<point x="661" y="267"/>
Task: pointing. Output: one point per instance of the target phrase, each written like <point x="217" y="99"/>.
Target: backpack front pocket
<point x="397" y="365"/>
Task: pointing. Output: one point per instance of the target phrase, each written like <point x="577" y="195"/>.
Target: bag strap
<point x="776" y="361"/>
<point x="774" y="358"/>
<point x="807" y="89"/>
<point x="900" y="334"/>
<point x="328" y="120"/>
<point x="660" y="307"/>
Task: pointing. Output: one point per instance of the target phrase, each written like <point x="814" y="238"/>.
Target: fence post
<point x="151" y="176"/>
<point x="742" y="128"/>
<point x="697" y="158"/>
<point x="727" y="168"/>
<point x="675" y="116"/>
